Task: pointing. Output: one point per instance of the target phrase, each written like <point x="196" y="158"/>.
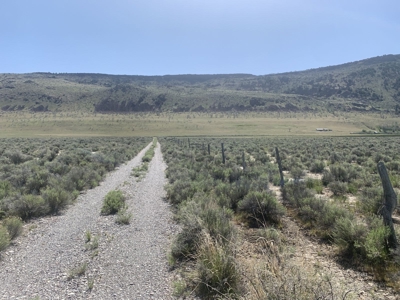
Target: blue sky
<point x="148" y="37"/>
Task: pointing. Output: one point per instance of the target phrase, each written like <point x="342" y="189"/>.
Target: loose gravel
<point x="55" y="260"/>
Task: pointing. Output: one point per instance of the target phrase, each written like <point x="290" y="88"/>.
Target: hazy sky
<point x="149" y="37"/>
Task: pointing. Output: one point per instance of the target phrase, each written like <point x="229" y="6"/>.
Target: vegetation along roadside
<point x="39" y="177"/>
<point x="234" y="242"/>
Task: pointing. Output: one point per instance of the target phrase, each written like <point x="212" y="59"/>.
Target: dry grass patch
<point x="74" y="123"/>
<point x="269" y="272"/>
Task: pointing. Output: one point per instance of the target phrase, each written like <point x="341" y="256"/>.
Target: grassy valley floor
<point x="24" y="124"/>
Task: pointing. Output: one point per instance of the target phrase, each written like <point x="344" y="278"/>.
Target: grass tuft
<point x="77" y="272"/>
<point x="92" y="244"/>
<point x="123" y="217"/>
<point x="217" y="274"/>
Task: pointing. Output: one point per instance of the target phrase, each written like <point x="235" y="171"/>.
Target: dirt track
<point x="129" y="261"/>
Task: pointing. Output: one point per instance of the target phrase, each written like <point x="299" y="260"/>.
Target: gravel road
<point x="119" y="261"/>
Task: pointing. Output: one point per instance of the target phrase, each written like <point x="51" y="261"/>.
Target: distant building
<point x="324" y="129"/>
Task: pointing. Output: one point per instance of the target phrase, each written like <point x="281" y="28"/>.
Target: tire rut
<point x="136" y="259"/>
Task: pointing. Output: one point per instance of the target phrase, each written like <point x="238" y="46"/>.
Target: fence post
<point x="209" y="152"/>
<point x="389" y="204"/>
<point x="278" y="160"/>
<point x="243" y="161"/>
<point x="223" y="153"/>
<point x="189" y="142"/>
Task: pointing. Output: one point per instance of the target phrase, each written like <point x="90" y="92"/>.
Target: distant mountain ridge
<point x="367" y="85"/>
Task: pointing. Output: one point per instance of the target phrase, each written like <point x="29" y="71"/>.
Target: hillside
<point x="367" y="85"/>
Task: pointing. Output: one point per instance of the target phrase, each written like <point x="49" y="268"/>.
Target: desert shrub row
<point x="202" y="187"/>
<point x="41" y="176"/>
<point x="207" y="196"/>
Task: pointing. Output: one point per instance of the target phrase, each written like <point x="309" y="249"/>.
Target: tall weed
<point x="217" y="273"/>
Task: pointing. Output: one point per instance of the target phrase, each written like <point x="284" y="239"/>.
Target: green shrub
<point x="297" y="172"/>
<point x="310" y="183"/>
<point x="276" y="179"/>
<point x="394" y="165"/>
<point x="315" y="184"/>
<point x="113" y="202"/>
<point x="4" y="238"/>
<point x="56" y="198"/>
<point x="29" y="206"/>
<point x="185" y="244"/>
<point x="219" y="173"/>
<point x="349" y="235"/>
<point x="16" y="156"/>
<point x="338" y="188"/>
<point x="5" y="189"/>
<point x="261" y="208"/>
<point x="319" y="189"/>
<point x="237" y="191"/>
<point x="327" y="177"/>
<point x="57" y="167"/>
<point x="216" y="271"/>
<point x="261" y="183"/>
<point x="234" y="174"/>
<point x="317" y="166"/>
<point x="261" y="157"/>
<point x="176" y="172"/>
<point x="336" y="157"/>
<point x="311" y="209"/>
<point x="74" y="180"/>
<point x="216" y="221"/>
<point x="366" y="242"/>
<point x="222" y="189"/>
<point x="201" y="214"/>
<point x="330" y="214"/>
<point x="375" y="244"/>
<point x="339" y="172"/>
<point x="344" y="172"/>
<point x="320" y="214"/>
<point x="14" y="226"/>
<point x="352" y="188"/>
<point x="371" y="199"/>
<point x="91" y="179"/>
<point x="180" y="191"/>
<point x="18" y="176"/>
<point x="296" y="191"/>
<point x="36" y="181"/>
